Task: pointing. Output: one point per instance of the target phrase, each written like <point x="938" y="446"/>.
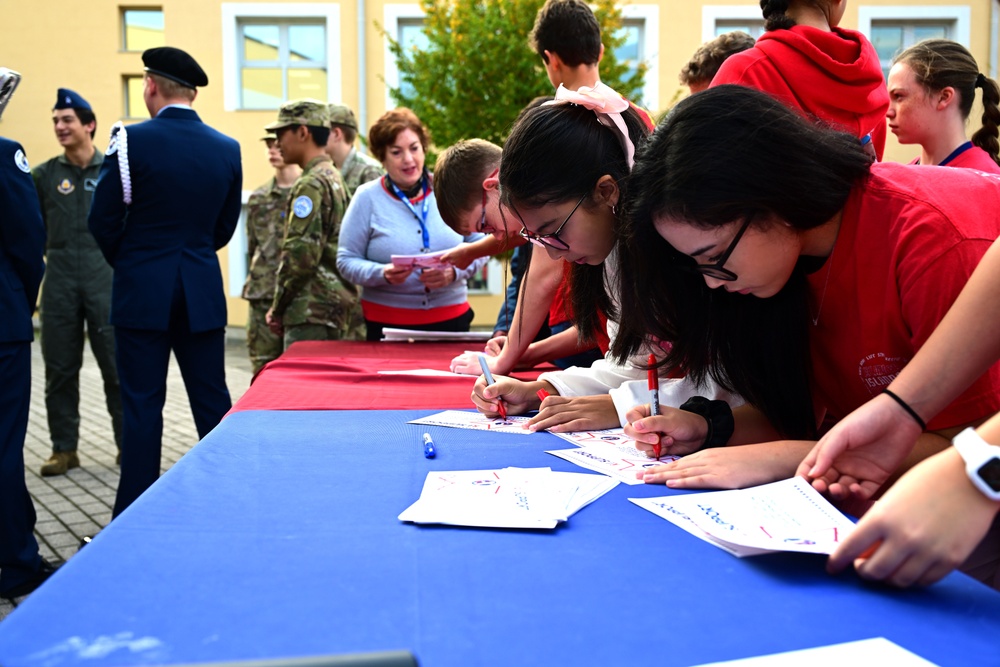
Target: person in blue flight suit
<point x="168" y="197"/>
<point x="22" y="245"/>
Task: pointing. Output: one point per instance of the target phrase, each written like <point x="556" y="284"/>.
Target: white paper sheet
<point x="475" y="421"/>
<point x="877" y="652"/>
<point x="429" y="372"/>
<point x="391" y="334"/>
<point x="788" y="515"/>
<point x="534" y="498"/>
<point x="424" y="260"/>
<point x="609" y="452"/>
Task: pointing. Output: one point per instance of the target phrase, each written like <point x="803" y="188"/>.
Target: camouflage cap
<point x="342" y="115"/>
<point x="269" y="136"/>
<point x="312" y="113"/>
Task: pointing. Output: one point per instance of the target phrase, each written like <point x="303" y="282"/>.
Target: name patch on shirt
<point x="302" y="207"/>
<point x="90" y="184"/>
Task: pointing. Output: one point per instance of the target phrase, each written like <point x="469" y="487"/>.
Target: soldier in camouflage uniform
<point x="266" y="212"/>
<point x="312" y="301"/>
<point x="355" y="167"/>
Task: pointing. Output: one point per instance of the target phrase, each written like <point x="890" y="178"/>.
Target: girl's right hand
<point x="394" y="275"/>
<point x="518" y="397"/>
<point x="679" y="432"/>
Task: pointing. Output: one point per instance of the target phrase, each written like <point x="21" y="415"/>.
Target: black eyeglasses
<point x="715" y="269"/>
<point x="551" y="240"/>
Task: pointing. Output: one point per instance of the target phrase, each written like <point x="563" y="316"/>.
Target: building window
<point x="641" y="26"/>
<point x="281" y="61"/>
<point x="719" y="19"/>
<point x="894" y="28"/>
<point x="753" y="28"/>
<point x="411" y="36"/>
<point x="135" y="105"/>
<point x="142" y="29"/>
<point x="891" y="37"/>
<point x="274" y="52"/>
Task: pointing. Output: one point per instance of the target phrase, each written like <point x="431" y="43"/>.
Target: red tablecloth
<point x="342" y="375"/>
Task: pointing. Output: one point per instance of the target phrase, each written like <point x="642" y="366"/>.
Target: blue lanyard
<point x="422" y="218"/>
<point x="955" y="153"/>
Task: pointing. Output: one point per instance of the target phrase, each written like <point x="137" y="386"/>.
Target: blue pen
<point x="501" y="408"/>
<point x="429" y="451"/>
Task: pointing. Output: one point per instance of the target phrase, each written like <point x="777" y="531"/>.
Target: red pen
<point x="501" y="408"/>
<point x="654" y="397"/>
<point x="542" y="394"/>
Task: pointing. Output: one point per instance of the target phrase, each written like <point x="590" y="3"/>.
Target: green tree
<point x="477" y="70"/>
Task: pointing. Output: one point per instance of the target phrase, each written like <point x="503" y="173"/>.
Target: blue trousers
<point x="143" y="357"/>
<point x="19" y="557"/>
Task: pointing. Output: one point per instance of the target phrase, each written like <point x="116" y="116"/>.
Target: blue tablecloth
<point x="277" y="536"/>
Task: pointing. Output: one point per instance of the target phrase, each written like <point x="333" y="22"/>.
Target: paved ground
<point x="79" y="503"/>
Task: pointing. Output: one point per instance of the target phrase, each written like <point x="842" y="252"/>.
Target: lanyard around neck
<point x="422" y="217"/>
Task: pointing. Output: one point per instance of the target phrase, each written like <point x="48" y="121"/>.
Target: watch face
<point x="989" y="472"/>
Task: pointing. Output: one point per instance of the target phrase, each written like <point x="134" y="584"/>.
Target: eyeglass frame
<point x="716" y="269"/>
<point x="542" y="240"/>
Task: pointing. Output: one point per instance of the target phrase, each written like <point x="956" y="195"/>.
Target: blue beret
<point x="67" y="99"/>
<point x="175" y="65"/>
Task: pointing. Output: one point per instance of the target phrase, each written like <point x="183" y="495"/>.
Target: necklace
<point x="826" y="283"/>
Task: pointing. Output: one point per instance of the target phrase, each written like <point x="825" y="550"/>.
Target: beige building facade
<point x="257" y="54"/>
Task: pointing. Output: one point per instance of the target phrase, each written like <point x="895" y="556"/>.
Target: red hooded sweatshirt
<point x="834" y="76"/>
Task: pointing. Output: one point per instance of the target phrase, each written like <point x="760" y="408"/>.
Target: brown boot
<point x="59" y="463"/>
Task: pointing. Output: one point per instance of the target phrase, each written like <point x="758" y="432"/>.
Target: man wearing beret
<point x="77" y="289"/>
<point x="355" y="167"/>
<point x="312" y="301"/>
<point x="167" y="200"/>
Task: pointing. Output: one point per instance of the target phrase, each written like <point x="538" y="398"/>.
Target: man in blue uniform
<point x="22" y="244"/>
<point x="77" y="289"/>
<point x="167" y="199"/>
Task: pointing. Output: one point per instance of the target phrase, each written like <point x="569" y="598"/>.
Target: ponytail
<point x="987" y="136"/>
<point x="775" y="16"/>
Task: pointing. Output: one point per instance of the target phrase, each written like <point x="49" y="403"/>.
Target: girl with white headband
<point x="563" y="180"/>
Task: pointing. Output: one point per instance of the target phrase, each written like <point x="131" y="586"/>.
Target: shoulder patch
<point x="21" y="160"/>
<point x="302" y="207"/>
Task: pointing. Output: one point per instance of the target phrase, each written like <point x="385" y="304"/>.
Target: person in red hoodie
<point x="823" y="71"/>
<point x="932" y="86"/>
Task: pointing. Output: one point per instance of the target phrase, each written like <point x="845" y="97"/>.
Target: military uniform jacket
<point x="65" y="191"/>
<point x="22" y="245"/>
<point x="359" y="168"/>
<point x="266" y="211"/>
<point x="310" y="289"/>
<point x="186" y="183"/>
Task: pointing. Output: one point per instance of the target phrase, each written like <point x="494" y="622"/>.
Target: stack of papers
<point x="412" y="335"/>
<point x="788" y="515"/>
<point x="609" y="451"/>
<point x="507" y="498"/>
<point x="426" y="260"/>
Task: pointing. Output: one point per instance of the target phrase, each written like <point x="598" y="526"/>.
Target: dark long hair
<point x="557" y="153"/>
<point x="720" y="156"/>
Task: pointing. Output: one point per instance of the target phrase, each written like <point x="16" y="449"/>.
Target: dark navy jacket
<point x="22" y="244"/>
<point x="186" y="196"/>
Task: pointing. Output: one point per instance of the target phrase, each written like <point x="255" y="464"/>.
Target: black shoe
<point x="44" y="571"/>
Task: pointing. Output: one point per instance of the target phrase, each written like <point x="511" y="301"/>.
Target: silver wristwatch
<point x="982" y="462"/>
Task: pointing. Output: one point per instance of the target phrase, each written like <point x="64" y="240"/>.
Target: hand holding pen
<point x="501" y="408"/>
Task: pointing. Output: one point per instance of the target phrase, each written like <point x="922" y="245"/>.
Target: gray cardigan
<point x="376" y="226"/>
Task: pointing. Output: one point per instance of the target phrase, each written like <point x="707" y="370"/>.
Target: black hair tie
<point x="980" y="80"/>
<point x="911" y="411"/>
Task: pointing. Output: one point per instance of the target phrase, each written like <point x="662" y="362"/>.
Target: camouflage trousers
<point x="353" y="330"/>
<point x="262" y="345"/>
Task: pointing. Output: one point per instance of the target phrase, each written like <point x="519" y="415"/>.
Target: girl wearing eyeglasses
<point x="563" y="178"/>
<point x="786" y="266"/>
<point x="932" y="86"/>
